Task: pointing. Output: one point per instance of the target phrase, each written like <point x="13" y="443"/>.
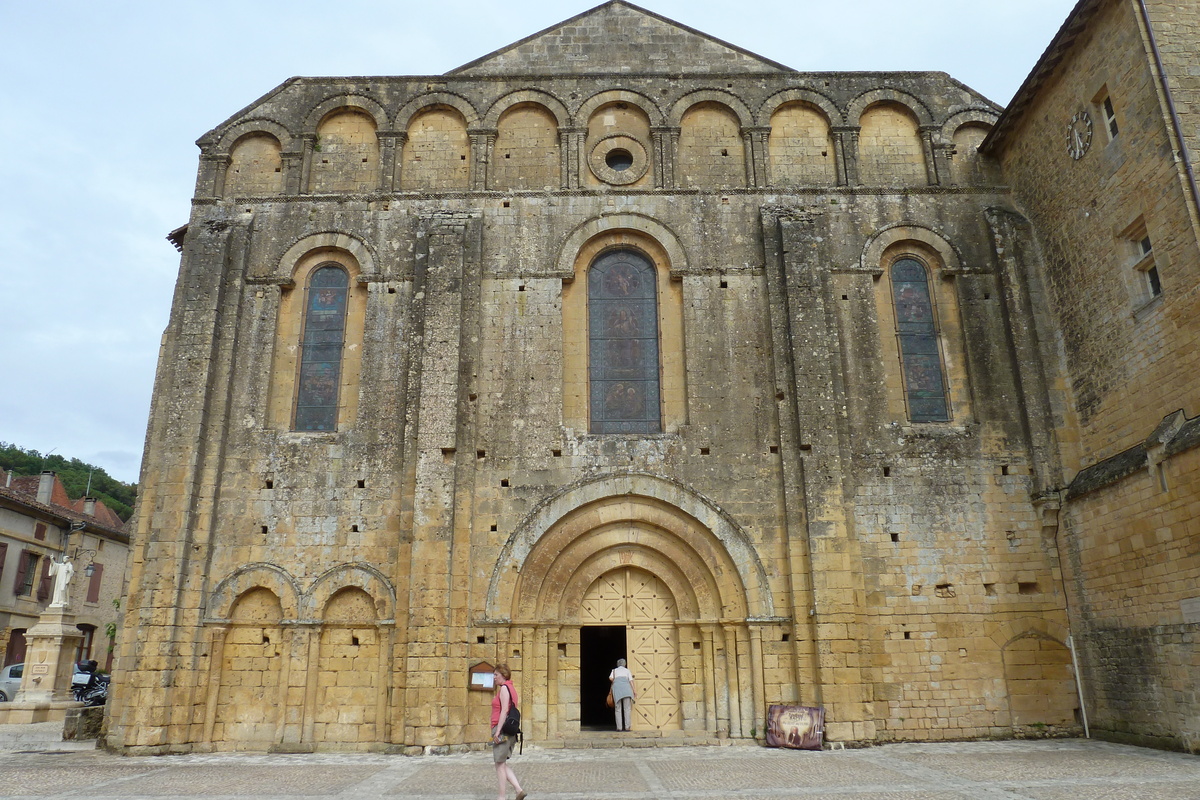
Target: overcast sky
<point x="103" y="102"/>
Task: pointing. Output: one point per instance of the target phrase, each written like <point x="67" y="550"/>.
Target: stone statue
<point x="62" y="572"/>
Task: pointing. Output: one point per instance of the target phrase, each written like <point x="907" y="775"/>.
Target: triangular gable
<point x="618" y="37"/>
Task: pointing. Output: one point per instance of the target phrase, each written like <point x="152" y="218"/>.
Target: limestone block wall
<point x="710" y="147"/>
<point x="526" y="154"/>
<point x="255" y="166"/>
<point x="346" y="154"/>
<point x="436" y="151"/>
<point x="1132" y="565"/>
<point x="889" y="148"/>
<point x="1104" y="221"/>
<point x="1175" y="25"/>
<point x="1115" y="335"/>
<point x="801" y="147"/>
<point x="461" y="509"/>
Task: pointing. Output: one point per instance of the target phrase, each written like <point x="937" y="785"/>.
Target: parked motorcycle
<point x="88" y="687"/>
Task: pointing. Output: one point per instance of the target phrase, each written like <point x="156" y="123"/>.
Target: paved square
<point x="1040" y="770"/>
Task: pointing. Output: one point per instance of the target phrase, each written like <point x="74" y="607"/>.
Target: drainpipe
<point x="1166" y="89"/>
<point x="1079" y="686"/>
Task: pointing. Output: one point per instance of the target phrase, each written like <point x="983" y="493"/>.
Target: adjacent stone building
<point x="624" y="341"/>
<point x="39" y="522"/>
<point x="1096" y="149"/>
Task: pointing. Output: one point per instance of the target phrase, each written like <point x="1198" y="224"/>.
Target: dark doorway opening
<point x="16" y="647"/>
<point x="599" y="648"/>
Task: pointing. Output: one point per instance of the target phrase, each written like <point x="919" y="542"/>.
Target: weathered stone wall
<point x="1130" y="359"/>
<point x="817" y="545"/>
<point x="1115" y="337"/>
<point x="1134" y="572"/>
<point x="1176" y="27"/>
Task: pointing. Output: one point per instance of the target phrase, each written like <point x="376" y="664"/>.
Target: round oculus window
<point x="619" y="159"/>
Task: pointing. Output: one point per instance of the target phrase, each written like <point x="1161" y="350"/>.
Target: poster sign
<point x="797" y="727"/>
<point x="482" y="679"/>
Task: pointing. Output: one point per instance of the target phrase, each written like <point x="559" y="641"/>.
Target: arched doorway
<point x="641" y="606"/>
<point x="573" y="560"/>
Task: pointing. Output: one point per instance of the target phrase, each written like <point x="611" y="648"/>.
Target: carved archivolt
<point x="706" y="560"/>
<point x="882" y="239"/>
<point x="718" y="96"/>
<point x="346" y="102"/>
<point x="867" y="99"/>
<point x="248" y="578"/>
<point x="431" y="100"/>
<point x="544" y="99"/>
<point x="301" y="605"/>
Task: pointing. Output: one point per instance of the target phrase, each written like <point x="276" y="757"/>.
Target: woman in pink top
<point x="502" y="745"/>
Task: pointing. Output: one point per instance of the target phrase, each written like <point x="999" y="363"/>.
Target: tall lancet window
<point x="916" y="330"/>
<point x="321" y="349"/>
<point x="623" y="344"/>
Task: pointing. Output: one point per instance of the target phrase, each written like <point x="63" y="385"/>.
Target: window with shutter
<point x="93" y="592"/>
<point x="26" y="569"/>
<point x="46" y="583"/>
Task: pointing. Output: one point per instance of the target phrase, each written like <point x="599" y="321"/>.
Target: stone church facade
<point x="623" y="341"/>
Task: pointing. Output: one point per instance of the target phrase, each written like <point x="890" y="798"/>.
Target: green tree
<point x="74" y="475"/>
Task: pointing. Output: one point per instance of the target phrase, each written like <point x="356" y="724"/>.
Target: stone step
<point x="39" y="736"/>
<point x="599" y="740"/>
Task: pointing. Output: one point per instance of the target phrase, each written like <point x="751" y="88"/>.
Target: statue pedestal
<point x="45" y="693"/>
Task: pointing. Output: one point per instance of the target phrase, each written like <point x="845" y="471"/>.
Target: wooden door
<point x="646" y="607"/>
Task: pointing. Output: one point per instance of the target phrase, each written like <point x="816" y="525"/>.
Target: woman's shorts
<point x="502" y="749"/>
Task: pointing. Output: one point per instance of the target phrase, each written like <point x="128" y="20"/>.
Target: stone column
<point x="386" y="631"/>
<point x="729" y="632"/>
<point x="845" y="147"/>
<point x="308" y="144"/>
<point x="389" y="144"/>
<point x="756" y="682"/>
<point x="552" y="699"/>
<point x="570" y="146"/>
<point x="664" y="143"/>
<point x="721" y="684"/>
<point x="929" y="148"/>
<point x="216" y="659"/>
<point x="210" y="182"/>
<point x="483" y="145"/>
<point x="294" y="676"/>
<point x="311" y="641"/>
<point x="710" y="678"/>
<point x="538" y="712"/>
<point x="756" y="142"/>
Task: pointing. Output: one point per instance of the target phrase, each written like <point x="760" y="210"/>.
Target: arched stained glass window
<point x="623" y="344"/>
<point x="916" y="330"/>
<point x="321" y="349"/>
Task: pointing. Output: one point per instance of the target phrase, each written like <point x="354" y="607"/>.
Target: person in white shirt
<point x="624" y="692"/>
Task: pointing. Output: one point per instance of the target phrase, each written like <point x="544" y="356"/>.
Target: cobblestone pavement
<point x="1025" y="770"/>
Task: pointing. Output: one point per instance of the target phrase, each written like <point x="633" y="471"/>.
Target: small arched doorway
<point x="633" y="608"/>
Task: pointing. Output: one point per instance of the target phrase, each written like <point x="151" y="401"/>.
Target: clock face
<point x="1079" y="135"/>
